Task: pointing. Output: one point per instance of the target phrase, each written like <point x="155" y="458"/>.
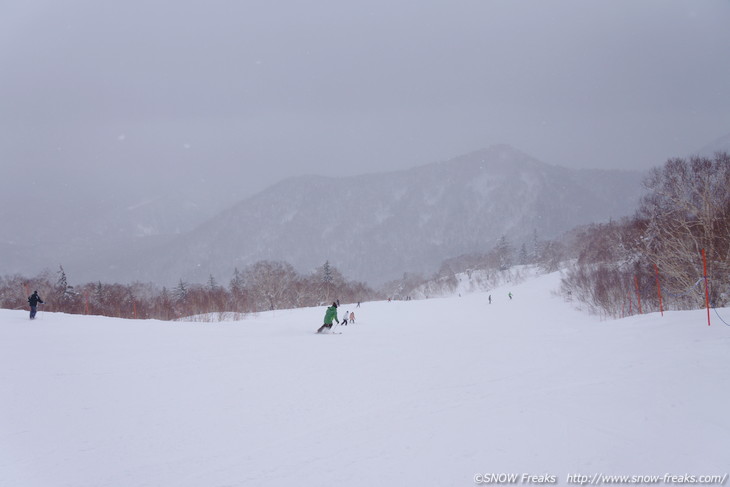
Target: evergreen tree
<point x="504" y="253"/>
<point x="327" y="278"/>
<point x="64" y="292"/>
<point x="536" y="247"/>
<point x="212" y="285"/>
<point x="99" y="292"/>
<point x="99" y="298"/>
<point x="523" y="257"/>
<point x="181" y="291"/>
<point x="62" y="283"/>
<point x="237" y="283"/>
<point x="237" y="288"/>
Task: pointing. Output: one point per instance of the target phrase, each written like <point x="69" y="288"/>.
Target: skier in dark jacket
<point x="329" y="316"/>
<point x="33" y="301"/>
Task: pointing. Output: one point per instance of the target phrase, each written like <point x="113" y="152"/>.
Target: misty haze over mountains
<point x="373" y="228"/>
<point x="144" y="140"/>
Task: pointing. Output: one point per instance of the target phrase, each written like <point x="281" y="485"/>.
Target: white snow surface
<point x="426" y="393"/>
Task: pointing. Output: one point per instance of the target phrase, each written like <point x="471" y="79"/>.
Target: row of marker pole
<point x="636" y="284"/>
<point x="659" y="289"/>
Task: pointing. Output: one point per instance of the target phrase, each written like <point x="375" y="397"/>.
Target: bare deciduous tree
<point x="688" y="210"/>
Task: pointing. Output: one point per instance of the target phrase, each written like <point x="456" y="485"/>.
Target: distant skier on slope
<point x="345" y="317"/>
<point x="33" y="301"/>
<point x="329" y="316"/>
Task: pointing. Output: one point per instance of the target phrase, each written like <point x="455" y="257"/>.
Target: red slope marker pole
<point x="707" y="286"/>
<point x="659" y="290"/>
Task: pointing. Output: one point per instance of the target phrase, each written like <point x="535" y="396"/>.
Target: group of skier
<point x="331" y="315"/>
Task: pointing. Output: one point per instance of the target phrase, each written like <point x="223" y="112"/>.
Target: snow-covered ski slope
<point x="421" y="393"/>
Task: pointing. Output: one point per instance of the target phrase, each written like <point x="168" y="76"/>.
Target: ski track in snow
<point x="424" y="393"/>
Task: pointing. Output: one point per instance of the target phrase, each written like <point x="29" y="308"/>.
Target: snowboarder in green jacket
<point x="329" y="316"/>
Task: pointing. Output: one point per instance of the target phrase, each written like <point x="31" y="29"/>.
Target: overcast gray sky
<point x="243" y="93"/>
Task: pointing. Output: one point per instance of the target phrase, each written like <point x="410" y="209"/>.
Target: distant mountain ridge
<point x="375" y="227"/>
<point x="721" y="144"/>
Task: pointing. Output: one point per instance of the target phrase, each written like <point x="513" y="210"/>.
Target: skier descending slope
<point x="329" y="316"/>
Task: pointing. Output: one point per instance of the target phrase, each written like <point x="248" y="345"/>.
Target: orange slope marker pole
<point x="707" y="286"/>
<point x="659" y="290"/>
